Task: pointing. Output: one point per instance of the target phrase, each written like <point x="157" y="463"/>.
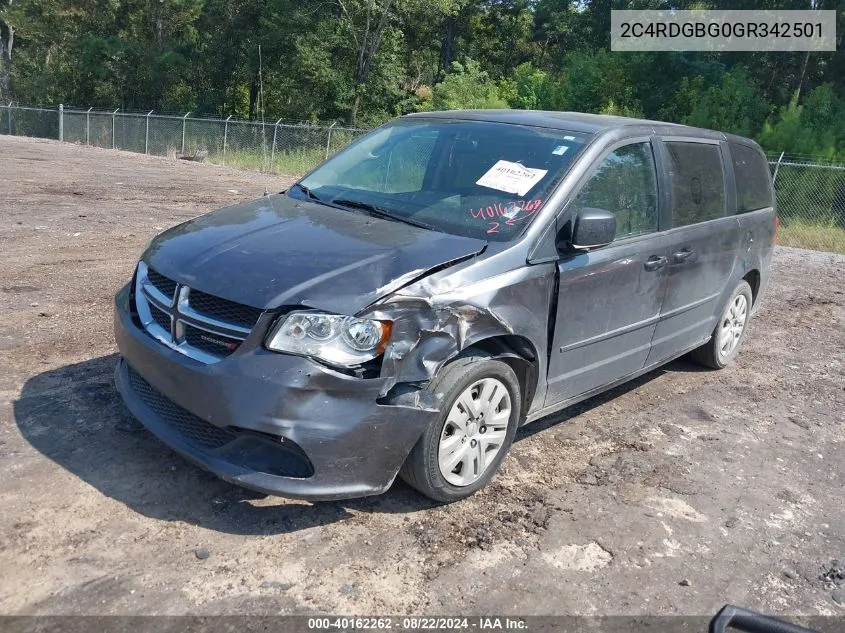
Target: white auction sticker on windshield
<point x="511" y="177"/>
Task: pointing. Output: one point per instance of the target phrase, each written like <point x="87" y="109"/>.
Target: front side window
<point x="753" y="183"/>
<point x="625" y="184"/>
<point x="696" y="181"/>
<point x="473" y="178"/>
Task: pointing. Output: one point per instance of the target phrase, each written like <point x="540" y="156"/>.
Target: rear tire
<point x="464" y="447"/>
<point x="726" y="339"/>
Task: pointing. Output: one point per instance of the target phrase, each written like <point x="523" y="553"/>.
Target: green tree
<point x="365" y="61"/>
<point x="527" y="88"/>
<point x="595" y="82"/>
<point x="816" y="127"/>
<point x="734" y="105"/>
<point x="7" y="44"/>
<point x="466" y="86"/>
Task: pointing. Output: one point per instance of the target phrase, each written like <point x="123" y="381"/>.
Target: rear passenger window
<point x="624" y="184"/>
<point x="753" y="185"/>
<point x="697" y="182"/>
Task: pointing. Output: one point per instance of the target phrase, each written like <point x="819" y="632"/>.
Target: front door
<point x="609" y="298"/>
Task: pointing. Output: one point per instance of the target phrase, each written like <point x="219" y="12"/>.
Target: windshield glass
<point x="472" y="178"/>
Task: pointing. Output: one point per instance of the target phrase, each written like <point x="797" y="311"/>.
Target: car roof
<point x="570" y="121"/>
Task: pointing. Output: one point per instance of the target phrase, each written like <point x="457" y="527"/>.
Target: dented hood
<point x="279" y="251"/>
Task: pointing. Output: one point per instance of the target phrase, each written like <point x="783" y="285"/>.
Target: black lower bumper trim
<point x="259" y="452"/>
<point x="191" y="427"/>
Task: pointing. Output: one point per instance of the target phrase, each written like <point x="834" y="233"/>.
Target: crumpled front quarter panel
<point x="438" y="317"/>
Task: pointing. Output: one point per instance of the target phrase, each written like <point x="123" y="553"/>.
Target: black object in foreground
<point x="740" y="619"/>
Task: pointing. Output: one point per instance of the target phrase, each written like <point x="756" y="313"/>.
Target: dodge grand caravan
<point x="403" y="308"/>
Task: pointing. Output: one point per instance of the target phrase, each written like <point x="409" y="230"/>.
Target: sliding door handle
<point x="656" y="263"/>
<point x="683" y="255"/>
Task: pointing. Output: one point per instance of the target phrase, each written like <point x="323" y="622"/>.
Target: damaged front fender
<point x="438" y="317"/>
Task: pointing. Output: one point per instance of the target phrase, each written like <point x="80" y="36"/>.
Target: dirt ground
<point x="672" y="495"/>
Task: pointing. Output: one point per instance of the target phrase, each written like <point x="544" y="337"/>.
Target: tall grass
<point x="819" y="236"/>
<point x="293" y="163"/>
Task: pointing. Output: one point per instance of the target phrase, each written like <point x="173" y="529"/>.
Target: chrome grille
<point x="187" y="424"/>
<point x="197" y="324"/>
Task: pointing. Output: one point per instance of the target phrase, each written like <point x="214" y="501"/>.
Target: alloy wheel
<point x="732" y="326"/>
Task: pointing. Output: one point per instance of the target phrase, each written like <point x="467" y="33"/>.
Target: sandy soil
<point x="675" y="494"/>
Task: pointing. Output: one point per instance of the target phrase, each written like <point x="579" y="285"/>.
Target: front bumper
<point x="278" y="424"/>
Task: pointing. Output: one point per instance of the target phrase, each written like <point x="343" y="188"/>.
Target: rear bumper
<point x="278" y="424"/>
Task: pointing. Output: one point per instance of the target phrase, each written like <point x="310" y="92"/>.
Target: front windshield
<point x="472" y="178"/>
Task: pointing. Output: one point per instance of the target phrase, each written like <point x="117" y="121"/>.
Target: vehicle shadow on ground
<point x="74" y="416"/>
<point x="573" y="411"/>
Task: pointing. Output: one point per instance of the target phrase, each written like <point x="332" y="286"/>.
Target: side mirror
<point x="593" y="228"/>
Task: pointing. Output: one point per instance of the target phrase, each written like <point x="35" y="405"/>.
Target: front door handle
<point x="656" y="263"/>
<point x="683" y="255"/>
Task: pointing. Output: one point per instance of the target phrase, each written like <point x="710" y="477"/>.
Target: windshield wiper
<point x="380" y="212"/>
<point x="307" y="192"/>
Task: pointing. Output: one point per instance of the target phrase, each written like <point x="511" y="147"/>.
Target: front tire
<point x="464" y="447"/>
<point x="726" y="340"/>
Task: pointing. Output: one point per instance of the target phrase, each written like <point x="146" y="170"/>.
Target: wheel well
<point x="519" y="353"/>
<point x="753" y="279"/>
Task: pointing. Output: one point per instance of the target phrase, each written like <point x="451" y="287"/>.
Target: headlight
<point x="339" y="340"/>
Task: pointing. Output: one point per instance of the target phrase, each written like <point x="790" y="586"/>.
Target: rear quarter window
<point x="697" y="182"/>
<point x="753" y="184"/>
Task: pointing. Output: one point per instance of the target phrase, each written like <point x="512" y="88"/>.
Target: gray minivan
<point x="450" y="276"/>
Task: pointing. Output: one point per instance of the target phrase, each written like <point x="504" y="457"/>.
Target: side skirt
<point x="554" y="408"/>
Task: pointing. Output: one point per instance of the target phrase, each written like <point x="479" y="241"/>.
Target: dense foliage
<point x="364" y="61"/>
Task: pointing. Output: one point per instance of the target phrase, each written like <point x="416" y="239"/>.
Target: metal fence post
<point x="225" y="136"/>
<point x="10" y="118"/>
<point x="61" y="122"/>
<point x="329" y="140"/>
<point x="113" y="115"/>
<point x="273" y="151"/>
<point x="775" y="175"/>
<point x="184" y="118"/>
<point x="147" y="134"/>
<point x="88" y="126"/>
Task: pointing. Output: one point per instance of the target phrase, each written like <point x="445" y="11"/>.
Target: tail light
<point x="777" y="226"/>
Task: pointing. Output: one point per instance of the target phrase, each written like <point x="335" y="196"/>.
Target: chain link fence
<point x="810" y="191"/>
<point x="811" y="202"/>
<point x="282" y="147"/>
